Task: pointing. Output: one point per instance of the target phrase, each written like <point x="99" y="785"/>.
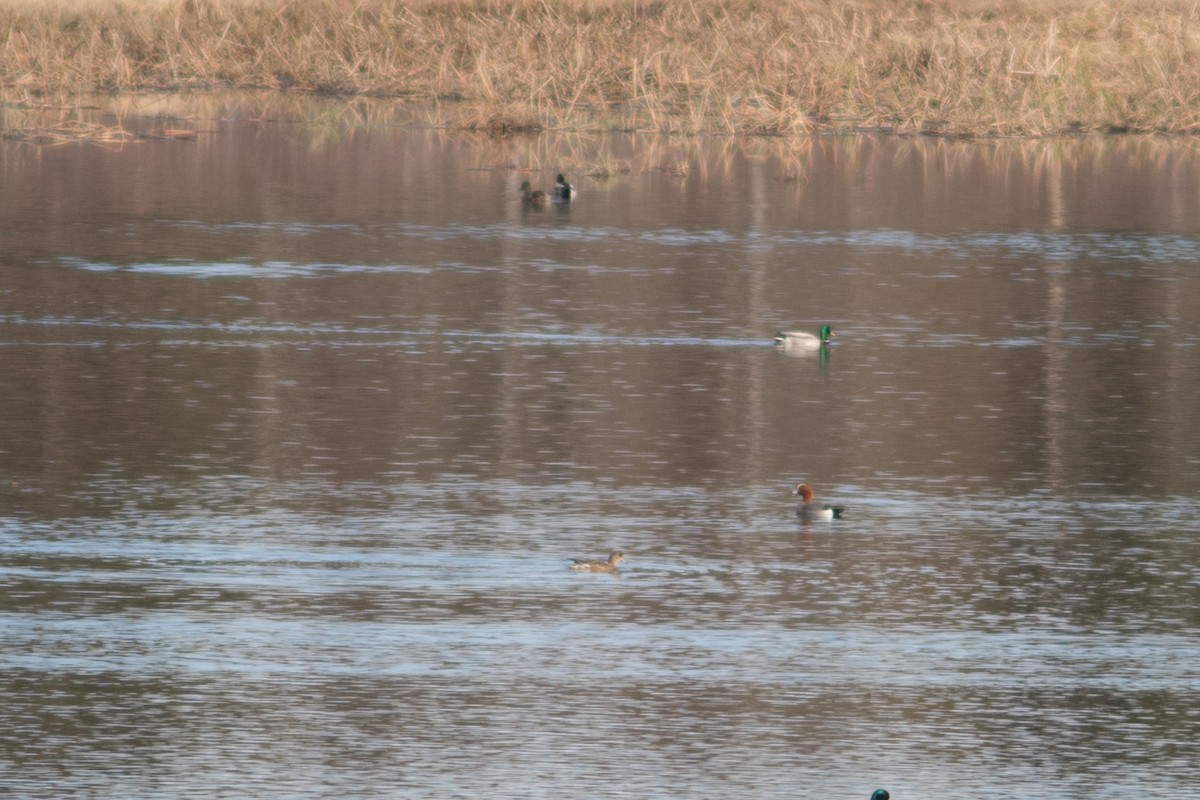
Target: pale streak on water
<point x="301" y="432"/>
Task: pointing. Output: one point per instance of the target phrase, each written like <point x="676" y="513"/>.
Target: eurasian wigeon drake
<point x="881" y="794"/>
<point x="531" y="195"/>
<point x="562" y="190"/>
<point x="800" y="340"/>
<point x="810" y="510"/>
<point x="584" y="565"/>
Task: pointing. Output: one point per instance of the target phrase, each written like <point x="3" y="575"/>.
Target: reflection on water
<point x="303" y="430"/>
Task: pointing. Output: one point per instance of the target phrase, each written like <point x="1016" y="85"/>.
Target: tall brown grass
<point x="1004" y="67"/>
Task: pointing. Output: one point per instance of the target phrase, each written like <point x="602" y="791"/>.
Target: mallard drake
<point x="584" y="565"/>
<point x="563" y="190"/>
<point x="531" y="195"/>
<point x="800" y="340"/>
<point x="880" y="794"/>
<point x="809" y="510"/>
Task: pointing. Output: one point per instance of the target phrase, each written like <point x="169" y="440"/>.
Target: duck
<point x="881" y="794"/>
<point x="808" y="510"/>
<point x="584" y="565"/>
<point x="801" y="340"/>
<point x="562" y="190"/>
<point x="531" y="195"/>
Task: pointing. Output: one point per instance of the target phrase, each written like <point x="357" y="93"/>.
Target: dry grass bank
<point x="1007" y="67"/>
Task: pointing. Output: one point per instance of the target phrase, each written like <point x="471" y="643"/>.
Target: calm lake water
<point x="304" y="419"/>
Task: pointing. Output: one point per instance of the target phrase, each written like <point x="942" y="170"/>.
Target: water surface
<point x="303" y="423"/>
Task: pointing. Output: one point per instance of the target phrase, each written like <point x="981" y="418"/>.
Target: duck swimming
<point x="531" y="195"/>
<point x="563" y="190"/>
<point x="584" y="565"/>
<point x="881" y="794"/>
<point x="800" y="340"/>
<point x="808" y="510"/>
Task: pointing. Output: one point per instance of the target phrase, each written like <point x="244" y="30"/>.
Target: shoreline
<point x="955" y="68"/>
